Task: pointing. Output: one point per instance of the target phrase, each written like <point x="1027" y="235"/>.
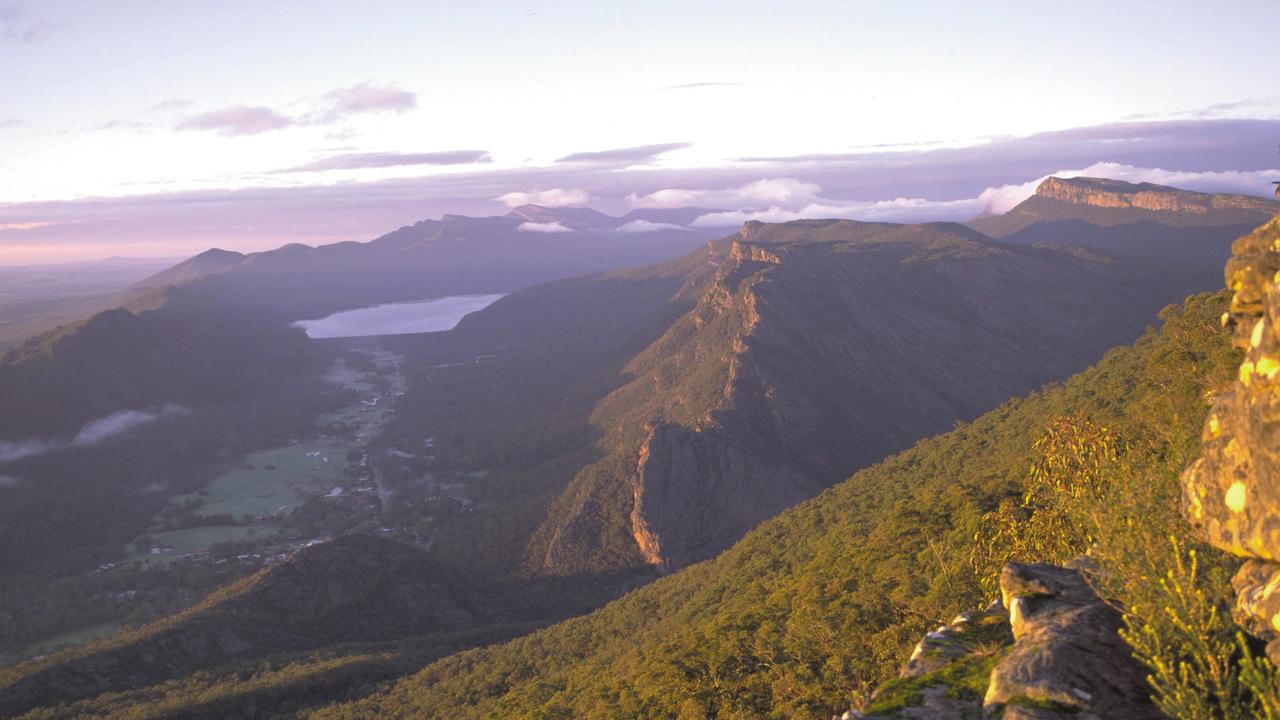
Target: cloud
<point x="16" y="25"/>
<point x="354" y="161"/>
<point x="547" y="227"/>
<point x="91" y="434"/>
<point x="21" y="226"/>
<point x="336" y="105"/>
<point x="238" y="120"/>
<point x="692" y="85"/>
<point x="896" y="210"/>
<point x="366" y="98"/>
<point x="639" y="154"/>
<point x="772" y="191"/>
<point x="9" y="122"/>
<point x="8" y="481"/>
<point x="119" y="423"/>
<point x="643" y="226"/>
<point x="1213" y="155"/>
<point x="792" y="200"/>
<point x="170" y="105"/>
<point x="555" y="197"/>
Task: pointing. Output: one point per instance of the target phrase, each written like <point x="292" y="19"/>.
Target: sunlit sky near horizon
<point x="144" y="98"/>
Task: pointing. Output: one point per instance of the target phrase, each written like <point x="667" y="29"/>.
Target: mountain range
<point x="625" y="424"/>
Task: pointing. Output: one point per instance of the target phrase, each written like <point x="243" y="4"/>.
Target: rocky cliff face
<point x="1104" y="193"/>
<point x="1138" y="218"/>
<point x="818" y="348"/>
<point x="1233" y="491"/>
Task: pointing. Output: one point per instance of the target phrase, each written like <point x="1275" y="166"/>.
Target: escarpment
<point x="1103" y="193"/>
<point x="817" y="348"/>
<point x="1134" y="219"/>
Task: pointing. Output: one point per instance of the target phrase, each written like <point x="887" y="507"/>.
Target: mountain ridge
<point x="1106" y="203"/>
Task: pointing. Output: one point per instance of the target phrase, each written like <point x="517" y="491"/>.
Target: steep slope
<point x="351" y="589"/>
<point x="506" y="397"/>
<point x="830" y="595"/>
<point x="184" y="351"/>
<point x="819" y="348"/>
<point x="1137" y="219"/>
<point x="453" y="255"/>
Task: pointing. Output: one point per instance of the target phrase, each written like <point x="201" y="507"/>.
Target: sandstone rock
<point x="1233" y="491"/>
<point x="961" y="637"/>
<point x="1257" y="608"/>
<point x="1104" y="193"/>
<point x="1068" y="653"/>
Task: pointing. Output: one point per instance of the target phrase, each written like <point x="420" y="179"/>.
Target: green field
<point x="272" y="481"/>
<point x="277" y="480"/>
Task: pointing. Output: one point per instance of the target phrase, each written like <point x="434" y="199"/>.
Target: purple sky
<point x="159" y="128"/>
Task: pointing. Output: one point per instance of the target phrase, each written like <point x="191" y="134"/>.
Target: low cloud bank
<point x="555" y="197"/>
<point x="547" y="227"/>
<point x="784" y="199"/>
<point x="644" y="226"/>
<point x="92" y="433"/>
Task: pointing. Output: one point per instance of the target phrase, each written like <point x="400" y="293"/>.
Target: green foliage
<point x="965" y="679"/>
<point x="1067" y="476"/>
<point x="1183" y="634"/>
<point x="1115" y="498"/>
<point x="804" y="613"/>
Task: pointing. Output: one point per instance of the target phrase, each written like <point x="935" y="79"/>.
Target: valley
<point x="639" y="361"/>
<point x="523" y="456"/>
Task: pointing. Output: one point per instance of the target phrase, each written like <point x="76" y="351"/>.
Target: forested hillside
<point x="812" y="609"/>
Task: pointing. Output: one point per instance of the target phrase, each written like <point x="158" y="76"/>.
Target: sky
<point x="149" y="128"/>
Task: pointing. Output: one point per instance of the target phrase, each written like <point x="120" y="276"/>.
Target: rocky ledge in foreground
<point x="1049" y="649"/>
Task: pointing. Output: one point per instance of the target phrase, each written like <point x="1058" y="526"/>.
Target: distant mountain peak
<point x="1106" y="193"/>
<point x="577" y="218"/>
<point x="1103" y="203"/>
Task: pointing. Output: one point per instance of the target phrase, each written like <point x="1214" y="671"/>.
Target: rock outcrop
<point x="1048" y="649"/>
<point x="1135" y="219"/>
<point x="1232" y="492"/>
<point x="1104" y="193"/>
<point x="1067" y="655"/>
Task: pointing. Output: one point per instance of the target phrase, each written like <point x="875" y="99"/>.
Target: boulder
<point x="1232" y="492"/>
<point x="1068" y="656"/>
<point x="969" y="632"/>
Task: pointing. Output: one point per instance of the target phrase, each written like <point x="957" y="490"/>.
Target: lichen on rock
<point x="1232" y="492"/>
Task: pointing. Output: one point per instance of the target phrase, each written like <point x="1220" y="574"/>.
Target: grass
<point x="965" y="679"/>
<point x="271" y="481"/>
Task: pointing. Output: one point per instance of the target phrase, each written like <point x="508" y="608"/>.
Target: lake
<point x="398" y="318"/>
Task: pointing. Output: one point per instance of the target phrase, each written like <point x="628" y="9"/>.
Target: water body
<point x="398" y="318"/>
